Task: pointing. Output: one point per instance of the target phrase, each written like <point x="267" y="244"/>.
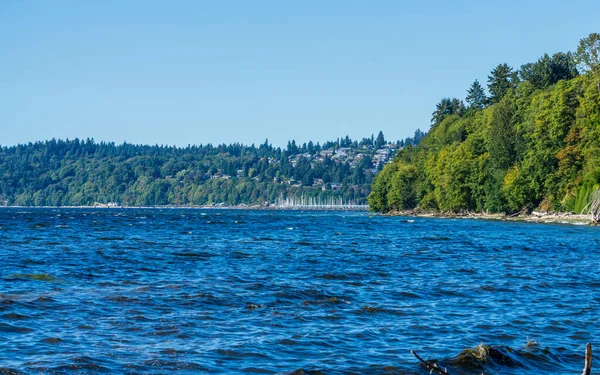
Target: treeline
<point x="531" y="142"/>
<point x="83" y="173"/>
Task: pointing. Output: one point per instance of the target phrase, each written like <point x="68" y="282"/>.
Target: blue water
<point x="150" y="291"/>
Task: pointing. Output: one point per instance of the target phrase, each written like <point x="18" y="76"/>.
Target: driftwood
<point x="524" y="211"/>
<point x="430" y="366"/>
<point x="587" y="367"/>
<point x="433" y="367"/>
<point x="593" y="208"/>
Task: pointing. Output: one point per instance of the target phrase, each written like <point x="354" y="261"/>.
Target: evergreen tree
<point x="549" y="70"/>
<point x="79" y="172"/>
<point x="418" y="136"/>
<point x="539" y="73"/>
<point x="537" y="149"/>
<point x="563" y="67"/>
<point x="500" y="81"/>
<point x="447" y="107"/>
<point x="380" y="141"/>
<point x="476" y="96"/>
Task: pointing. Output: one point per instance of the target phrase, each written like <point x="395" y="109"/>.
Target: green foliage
<point x="452" y="173"/>
<point x="500" y="81"/>
<point x="83" y="173"/>
<point x="501" y="136"/>
<point x="588" y="54"/>
<point x="476" y="98"/>
<point x="535" y="146"/>
<point x="380" y="141"/>
<point x="450" y="130"/>
<point x="394" y="188"/>
<point x="378" y="198"/>
<point x="549" y="70"/>
<point x="515" y="190"/>
<point x="446" y="107"/>
<point x="563" y="66"/>
<point x="402" y="194"/>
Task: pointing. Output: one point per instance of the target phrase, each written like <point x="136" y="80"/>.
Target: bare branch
<point x="593" y="207"/>
<point x="430" y="366"/>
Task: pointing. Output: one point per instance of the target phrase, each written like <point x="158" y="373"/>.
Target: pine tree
<point x="447" y="107"/>
<point x="380" y="140"/>
<point x="476" y="96"/>
<point x="500" y="81"/>
<point x="563" y="67"/>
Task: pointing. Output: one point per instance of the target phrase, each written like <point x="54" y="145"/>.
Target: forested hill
<point x="531" y="142"/>
<point x="84" y="173"/>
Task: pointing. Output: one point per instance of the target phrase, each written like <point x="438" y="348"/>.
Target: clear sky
<point x="191" y="72"/>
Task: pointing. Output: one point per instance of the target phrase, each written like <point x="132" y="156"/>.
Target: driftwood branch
<point x="430" y="366"/>
<point x="587" y="368"/>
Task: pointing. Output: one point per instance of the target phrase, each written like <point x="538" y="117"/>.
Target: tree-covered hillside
<point x="533" y="142"/>
<point x="74" y="172"/>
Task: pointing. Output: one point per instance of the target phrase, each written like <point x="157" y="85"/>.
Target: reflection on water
<point x="186" y="291"/>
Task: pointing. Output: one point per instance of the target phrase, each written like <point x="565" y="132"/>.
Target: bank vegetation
<point x="530" y="143"/>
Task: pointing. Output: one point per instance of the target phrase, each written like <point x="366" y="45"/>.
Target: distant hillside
<point x="533" y="142"/>
<point x="85" y="173"/>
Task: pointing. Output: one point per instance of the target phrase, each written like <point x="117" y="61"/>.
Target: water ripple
<point x="151" y="291"/>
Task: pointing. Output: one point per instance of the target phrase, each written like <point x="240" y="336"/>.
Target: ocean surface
<point x="190" y="291"/>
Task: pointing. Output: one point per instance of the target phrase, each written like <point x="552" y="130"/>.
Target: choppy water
<point x="230" y="291"/>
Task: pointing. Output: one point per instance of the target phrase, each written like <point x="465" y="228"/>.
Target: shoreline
<point x="216" y="207"/>
<point x="534" y="217"/>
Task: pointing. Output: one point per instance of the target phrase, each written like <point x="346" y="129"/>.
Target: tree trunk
<point x="595" y="206"/>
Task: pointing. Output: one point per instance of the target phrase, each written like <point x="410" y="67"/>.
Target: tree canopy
<point x="534" y="145"/>
<point x="84" y="172"/>
<point x="500" y="80"/>
<point x="476" y="98"/>
<point x="588" y="53"/>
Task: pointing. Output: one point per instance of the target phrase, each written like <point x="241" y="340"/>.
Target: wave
<point x="9" y="371"/>
<point x="481" y="359"/>
<point x="501" y="359"/>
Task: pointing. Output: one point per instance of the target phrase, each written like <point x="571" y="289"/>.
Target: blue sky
<point x="191" y="72"/>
